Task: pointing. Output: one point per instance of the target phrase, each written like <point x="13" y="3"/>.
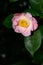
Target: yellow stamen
<point x="23" y="23"/>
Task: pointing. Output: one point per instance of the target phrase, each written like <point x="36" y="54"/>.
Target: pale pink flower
<point x="24" y="23"/>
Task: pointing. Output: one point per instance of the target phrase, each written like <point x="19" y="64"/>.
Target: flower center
<point x="23" y="23"/>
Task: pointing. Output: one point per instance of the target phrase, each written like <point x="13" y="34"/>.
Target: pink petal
<point x="28" y="30"/>
<point x="16" y="18"/>
<point x="19" y="29"/>
<point x="17" y="14"/>
<point x="26" y="33"/>
<point x="14" y="21"/>
<point x="35" y="24"/>
<point x="30" y="27"/>
<point x="28" y="15"/>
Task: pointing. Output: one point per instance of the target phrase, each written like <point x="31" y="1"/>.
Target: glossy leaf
<point x="33" y="42"/>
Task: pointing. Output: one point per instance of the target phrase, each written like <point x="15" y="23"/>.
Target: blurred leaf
<point x="33" y="42"/>
<point x="13" y="0"/>
<point x="37" y="5"/>
<point x="32" y="11"/>
<point x="7" y="22"/>
<point x="41" y="63"/>
<point x="38" y="57"/>
<point x="41" y="30"/>
<point x="21" y="63"/>
<point x="41" y="5"/>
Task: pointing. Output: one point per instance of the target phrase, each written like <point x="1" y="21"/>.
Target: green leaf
<point x="33" y="42"/>
<point x="41" y="5"/>
<point x="22" y="62"/>
<point x="13" y="0"/>
<point x="7" y="22"/>
<point x="37" y="5"/>
<point x="41" y="30"/>
<point x="42" y="63"/>
<point x="38" y="57"/>
<point x="32" y="11"/>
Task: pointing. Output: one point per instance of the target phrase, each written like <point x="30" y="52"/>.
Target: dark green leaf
<point x="37" y="5"/>
<point x="38" y="57"/>
<point x="33" y="42"/>
<point x="21" y="63"/>
<point x="7" y="22"/>
<point x="41" y="30"/>
<point x="32" y="11"/>
<point x="13" y="0"/>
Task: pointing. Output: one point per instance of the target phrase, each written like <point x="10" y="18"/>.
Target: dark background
<point x="12" y="49"/>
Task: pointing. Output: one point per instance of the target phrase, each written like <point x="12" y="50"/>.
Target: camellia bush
<point x="27" y="22"/>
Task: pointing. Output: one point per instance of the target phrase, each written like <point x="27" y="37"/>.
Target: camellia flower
<point x="24" y="23"/>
